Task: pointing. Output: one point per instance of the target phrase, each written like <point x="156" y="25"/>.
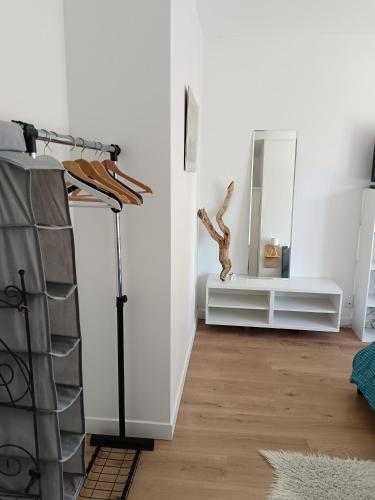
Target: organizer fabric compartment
<point x="36" y="235"/>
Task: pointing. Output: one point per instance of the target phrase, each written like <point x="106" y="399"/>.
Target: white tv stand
<point x="294" y="303"/>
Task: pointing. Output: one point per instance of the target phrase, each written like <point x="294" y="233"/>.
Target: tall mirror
<point x="271" y="202"/>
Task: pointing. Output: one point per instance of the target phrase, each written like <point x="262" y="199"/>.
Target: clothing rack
<point x="32" y="134"/>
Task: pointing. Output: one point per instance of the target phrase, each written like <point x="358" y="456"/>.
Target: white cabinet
<point x="295" y="303"/>
<point x="364" y="293"/>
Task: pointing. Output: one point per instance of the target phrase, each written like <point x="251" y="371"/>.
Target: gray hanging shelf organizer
<point x="42" y="423"/>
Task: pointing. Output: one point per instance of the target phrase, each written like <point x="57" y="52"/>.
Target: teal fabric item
<point x="363" y="374"/>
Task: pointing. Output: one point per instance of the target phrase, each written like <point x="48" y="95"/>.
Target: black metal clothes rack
<point x="31" y="135"/>
<point x="19" y="466"/>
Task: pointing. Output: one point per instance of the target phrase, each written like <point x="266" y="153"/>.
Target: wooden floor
<point x="250" y="389"/>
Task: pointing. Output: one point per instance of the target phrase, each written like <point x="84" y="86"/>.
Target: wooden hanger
<point x="95" y="174"/>
<point x="74" y="168"/>
<point x="110" y="165"/>
<point x="76" y="195"/>
<point x="95" y="189"/>
<point x="120" y="188"/>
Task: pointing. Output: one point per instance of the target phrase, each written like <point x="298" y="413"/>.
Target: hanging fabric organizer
<point x="42" y="425"/>
<point x="36" y="235"/>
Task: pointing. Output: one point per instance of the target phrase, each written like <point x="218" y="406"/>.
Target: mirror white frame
<point x="256" y="257"/>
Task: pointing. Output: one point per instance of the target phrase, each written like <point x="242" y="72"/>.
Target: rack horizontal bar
<point x="32" y="134"/>
<point x="68" y="140"/>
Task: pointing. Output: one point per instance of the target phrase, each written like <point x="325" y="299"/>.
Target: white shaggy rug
<point x="315" y="477"/>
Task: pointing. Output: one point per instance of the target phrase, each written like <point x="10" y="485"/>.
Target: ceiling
<point x="228" y="18"/>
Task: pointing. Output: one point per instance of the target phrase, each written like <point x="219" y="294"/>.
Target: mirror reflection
<point x="271" y="202"/>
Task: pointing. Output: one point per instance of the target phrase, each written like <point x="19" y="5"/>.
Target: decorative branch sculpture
<point x="224" y="240"/>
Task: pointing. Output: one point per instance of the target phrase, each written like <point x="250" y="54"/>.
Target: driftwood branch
<point x="223" y="209"/>
<point x="202" y="214"/>
<point x="224" y="240"/>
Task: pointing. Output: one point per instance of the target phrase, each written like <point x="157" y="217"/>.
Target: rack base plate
<point x="130" y="443"/>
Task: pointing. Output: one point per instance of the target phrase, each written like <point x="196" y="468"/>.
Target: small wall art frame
<point x="191" y="131"/>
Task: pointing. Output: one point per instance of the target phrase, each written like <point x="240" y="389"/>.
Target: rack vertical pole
<point x="120" y="301"/>
<point x="120" y="441"/>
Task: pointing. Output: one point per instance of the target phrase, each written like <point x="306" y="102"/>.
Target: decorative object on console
<point x="272" y="256"/>
<point x="224" y="240"/>
<point x="285" y="262"/>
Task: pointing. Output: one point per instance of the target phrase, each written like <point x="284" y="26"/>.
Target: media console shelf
<point x="294" y="303"/>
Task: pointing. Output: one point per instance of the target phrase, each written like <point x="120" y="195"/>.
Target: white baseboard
<point x="346" y="321"/>
<point x="346" y="317"/>
<point x="183" y="377"/>
<point x="134" y="428"/>
<point x="144" y="428"/>
<point x="201" y="313"/>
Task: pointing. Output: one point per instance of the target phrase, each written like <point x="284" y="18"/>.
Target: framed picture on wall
<point x="191" y="131"/>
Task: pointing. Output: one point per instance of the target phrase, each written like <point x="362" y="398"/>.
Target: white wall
<point x="129" y="89"/>
<point x="320" y="84"/>
<point x="186" y="61"/>
<point x="33" y="82"/>
<point x="119" y="91"/>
